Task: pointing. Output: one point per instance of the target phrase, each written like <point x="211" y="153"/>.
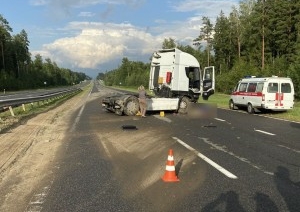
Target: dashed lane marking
<point x="264" y="132"/>
<point x="219" y="119"/>
<point x="206" y="159"/>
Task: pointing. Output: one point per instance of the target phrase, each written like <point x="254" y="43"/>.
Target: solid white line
<point x="261" y="131"/>
<point x="219" y="119"/>
<point x="206" y="159"/>
<point x="77" y="119"/>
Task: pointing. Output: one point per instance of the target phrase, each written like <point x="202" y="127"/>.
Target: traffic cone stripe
<point x="170" y="175"/>
<point x="170" y="168"/>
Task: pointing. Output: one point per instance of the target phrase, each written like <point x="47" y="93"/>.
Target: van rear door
<point x="285" y="96"/>
<point x="280" y="94"/>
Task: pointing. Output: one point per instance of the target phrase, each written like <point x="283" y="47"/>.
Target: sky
<point x="92" y="36"/>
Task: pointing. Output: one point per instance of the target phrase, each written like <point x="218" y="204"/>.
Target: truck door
<point x="208" y="84"/>
<point x="154" y="76"/>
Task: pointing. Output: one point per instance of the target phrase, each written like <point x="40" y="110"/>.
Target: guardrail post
<point x="23" y="106"/>
<point x="11" y="111"/>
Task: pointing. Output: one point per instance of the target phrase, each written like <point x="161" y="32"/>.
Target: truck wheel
<point x="184" y="105"/>
<point x="132" y="106"/>
<point x="250" y="108"/>
<point x="118" y="112"/>
<point x="232" y="105"/>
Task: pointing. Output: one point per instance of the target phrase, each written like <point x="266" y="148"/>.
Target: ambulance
<point x="263" y="93"/>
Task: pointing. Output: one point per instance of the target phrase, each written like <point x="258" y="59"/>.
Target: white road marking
<point x="261" y="131"/>
<point x="106" y="149"/>
<point x="37" y="201"/>
<point x="245" y="160"/>
<point x="163" y="118"/>
<point x="297" y="151"/>
<point x="206" y="159"/>
<point x="77" y="119"/>
<point x="219" y="119"/>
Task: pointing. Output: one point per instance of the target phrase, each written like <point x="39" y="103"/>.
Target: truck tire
<point x="250" y="108"/>
<point x="132" y="106"/>
<point x="184" y="105"/>
<point x="118" y="112"/>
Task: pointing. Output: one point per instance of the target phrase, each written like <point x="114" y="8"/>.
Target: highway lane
<point x="258" y="150"/>
<point x="105" y="168"/>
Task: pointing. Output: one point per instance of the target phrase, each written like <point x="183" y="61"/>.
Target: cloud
<point x="209" y="8"/>
<point x="64" y="4"/>
<point x="99" y="43"/>
<point x="38" y="2"/>
<point x="93" y="45"/>
<point x="86" y="14"/>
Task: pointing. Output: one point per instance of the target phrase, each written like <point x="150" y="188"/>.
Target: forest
<point x="257" y="38"/>
<point x="17" y="69"/>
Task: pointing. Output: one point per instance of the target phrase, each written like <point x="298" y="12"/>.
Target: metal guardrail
<point x="19" y="101"/>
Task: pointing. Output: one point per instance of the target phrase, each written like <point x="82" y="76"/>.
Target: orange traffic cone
<point x="170" y="175"/>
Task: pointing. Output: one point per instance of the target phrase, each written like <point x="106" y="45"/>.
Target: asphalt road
<point x="234" y="162"/>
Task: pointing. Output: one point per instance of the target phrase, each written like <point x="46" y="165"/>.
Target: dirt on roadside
<point x="27" y="153"/>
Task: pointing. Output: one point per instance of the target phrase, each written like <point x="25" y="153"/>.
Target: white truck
<point x="269" y="93"/>
<point x="176" y="80"/>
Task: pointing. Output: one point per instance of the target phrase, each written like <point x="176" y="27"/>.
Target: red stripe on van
<point x="237" y="93"/>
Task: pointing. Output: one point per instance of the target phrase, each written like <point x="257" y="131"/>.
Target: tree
<point x="169" y="43"/>
<point x="21" y="51"/>
<point x="5" y="31"/>
<point x="222" y="42"/>
<point x="206" y="32"/>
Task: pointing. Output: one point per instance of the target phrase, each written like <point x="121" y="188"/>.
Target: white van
<point x="271" y="93"/>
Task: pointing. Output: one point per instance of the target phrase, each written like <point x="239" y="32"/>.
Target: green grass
<point x="221" y="100"/>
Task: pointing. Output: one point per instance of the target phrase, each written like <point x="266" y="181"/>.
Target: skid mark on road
<point x="245" y="160"/>
<point x="206" y="159"/>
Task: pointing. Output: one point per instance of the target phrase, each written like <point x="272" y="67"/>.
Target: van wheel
<point x="183" y="105"/>
<point x="131" y="106"/>
<point x="232" y="105"/>
<point x="250" y="108"/>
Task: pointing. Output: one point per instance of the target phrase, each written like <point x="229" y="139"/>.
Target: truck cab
<point x="176" y="80"/>
<point x="175" y="73"/>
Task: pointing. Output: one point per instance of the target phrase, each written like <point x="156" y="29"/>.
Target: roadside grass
<point x="222" y="101"/>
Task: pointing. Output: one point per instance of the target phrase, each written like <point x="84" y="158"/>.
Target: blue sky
<point x="93" y="36"/>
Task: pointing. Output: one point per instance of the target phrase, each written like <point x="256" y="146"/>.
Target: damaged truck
<point x="175" y="79"/>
